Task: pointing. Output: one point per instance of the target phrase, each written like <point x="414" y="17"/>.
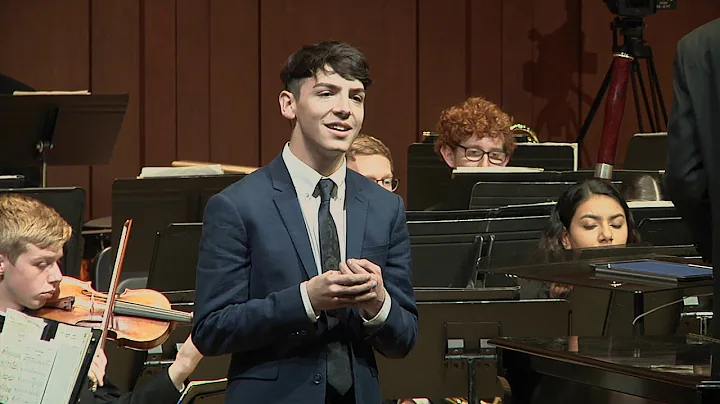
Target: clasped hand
<point x="358" y="282"/>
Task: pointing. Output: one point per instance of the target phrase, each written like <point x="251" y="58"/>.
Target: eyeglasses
<point x="475" y="154"/>
<point x="390" y="184"/>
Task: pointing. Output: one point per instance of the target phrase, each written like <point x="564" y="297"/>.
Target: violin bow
<point x="614" y="110"/>
<point x="112" y="293"/>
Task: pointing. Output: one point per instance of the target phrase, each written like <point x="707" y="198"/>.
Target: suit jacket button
<point x="317" y="379"/>
<point x="303" y="332"/>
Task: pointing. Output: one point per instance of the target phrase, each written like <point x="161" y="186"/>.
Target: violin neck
<point x="154" y="313"/>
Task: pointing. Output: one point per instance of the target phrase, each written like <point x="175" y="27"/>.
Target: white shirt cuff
<point x="382" y="315"/>
<point x="306" y="302"/>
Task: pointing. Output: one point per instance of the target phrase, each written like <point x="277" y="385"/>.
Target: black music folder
<point x="43" y="361"/>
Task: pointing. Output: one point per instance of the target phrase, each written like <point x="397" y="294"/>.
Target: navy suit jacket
<point x="255" y="252"/>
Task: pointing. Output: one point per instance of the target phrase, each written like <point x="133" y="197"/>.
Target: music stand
<point x="549" y="155"/>
<point x="430" y="179"/>
<point x="495" y="194"/>
<point x="60" y="129"/>
<point x="197" y="391"/>
<point x="452" y="345"/>
<point x="665" y="231"/>
<point x="646" y="151"/>
<point x="68" y="202"/>
<point x="445" y="253"/>
<point x="155" y="203"/>
<point x="174" y="261"/>
<point x="12" y="181"/>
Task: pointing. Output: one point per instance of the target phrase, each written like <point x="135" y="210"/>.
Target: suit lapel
<point x="356" y="211"/>
<point x="287" y="203"/>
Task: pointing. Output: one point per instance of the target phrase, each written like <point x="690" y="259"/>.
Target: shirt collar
<point x="305" y="178"/>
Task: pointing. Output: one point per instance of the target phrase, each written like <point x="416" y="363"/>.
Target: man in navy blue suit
<point x="304" y="265"/>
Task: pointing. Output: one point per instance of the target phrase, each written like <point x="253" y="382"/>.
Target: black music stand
<point x="174" y="261"/>
<point x="430" y="180"/>
<point x="452" y="348"/>
<point x="12" y="181"/>
<point x="445" y="253"/>
<point x="496" y="194"/>
<point x="60" y="129"/>
<point x="197" y="392"/>
<point x="155" y="203"/>
<point x="664" y="231"/>
<point x="646" y="151"/>
<point x="69" y="202"/>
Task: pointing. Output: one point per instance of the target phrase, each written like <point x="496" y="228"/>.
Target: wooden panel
<point x="485" y="73"/>
<point x="442" y="58"/>
<point x="234" y="82"/>
<point x="158" y="114"/>
<point x="516" y="54"/>
<point x="390" y="47"/>
<point x="193" y="93"/>
<point x="116" y="69"/>
<point x="46" y="46"/>
<point x="552" y="77"/>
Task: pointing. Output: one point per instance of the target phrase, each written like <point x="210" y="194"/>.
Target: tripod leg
<point x="634" y="79"/>
<point x="656" y="83"/>
<point x="653" y="96"/>
<point x="593" y="108"/>
<point x="653" y="128"/>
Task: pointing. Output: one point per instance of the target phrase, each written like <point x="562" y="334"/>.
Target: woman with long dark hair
<point x="588" y="214"/>
<point x="591" y="213"/>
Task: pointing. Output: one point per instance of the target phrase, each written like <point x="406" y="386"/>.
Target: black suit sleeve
<point x="158" y="390"/>
<point x="686" y="176"/>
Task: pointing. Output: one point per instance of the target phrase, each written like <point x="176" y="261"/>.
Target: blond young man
<point x="32" y="236"/>
<point x="370" y="157"/>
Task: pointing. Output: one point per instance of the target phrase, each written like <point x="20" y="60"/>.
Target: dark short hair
<point x="565" y="208"/>
<point x="344" y="59"/>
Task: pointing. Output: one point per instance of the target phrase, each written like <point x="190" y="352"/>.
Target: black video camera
<point x="639" y="8"/>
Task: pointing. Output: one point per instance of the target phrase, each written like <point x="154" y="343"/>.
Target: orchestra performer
<point x="32" y="236"/>
<point x="304" y="265"/>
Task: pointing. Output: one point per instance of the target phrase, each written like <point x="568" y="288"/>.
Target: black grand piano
<point x="647" y="369"/>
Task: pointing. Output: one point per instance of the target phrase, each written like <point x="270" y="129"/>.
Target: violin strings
<point x="155" y="310"/>
<point x="150" y="310"/>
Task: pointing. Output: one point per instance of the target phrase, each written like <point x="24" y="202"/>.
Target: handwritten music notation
<point x="35" y="371"/>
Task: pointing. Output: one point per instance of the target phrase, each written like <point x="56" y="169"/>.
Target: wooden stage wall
<point x="203" y="74"/>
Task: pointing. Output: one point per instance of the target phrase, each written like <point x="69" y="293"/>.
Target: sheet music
<point x="37" y="363"/>
<point x="33" y="371"/>
<point x="21" y="327"/>
<point x="72" y="343"/>
<point x="20" y="369"/>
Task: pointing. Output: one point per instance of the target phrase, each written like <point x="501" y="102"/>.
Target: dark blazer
<point x="255" y="252"/>
<point x="158" y="390"/>
<point x="691" y="177"/>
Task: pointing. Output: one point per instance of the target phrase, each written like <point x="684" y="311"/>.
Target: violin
<point x="142" y="318"/>
<point x="138" y="319"/>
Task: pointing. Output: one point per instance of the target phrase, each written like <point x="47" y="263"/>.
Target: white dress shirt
<point x="305" y="179"/>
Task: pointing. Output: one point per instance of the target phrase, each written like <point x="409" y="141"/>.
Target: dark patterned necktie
<point x="339" y="371"/>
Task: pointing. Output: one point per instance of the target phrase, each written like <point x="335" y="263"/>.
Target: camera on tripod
<point x="639" y="8"/>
